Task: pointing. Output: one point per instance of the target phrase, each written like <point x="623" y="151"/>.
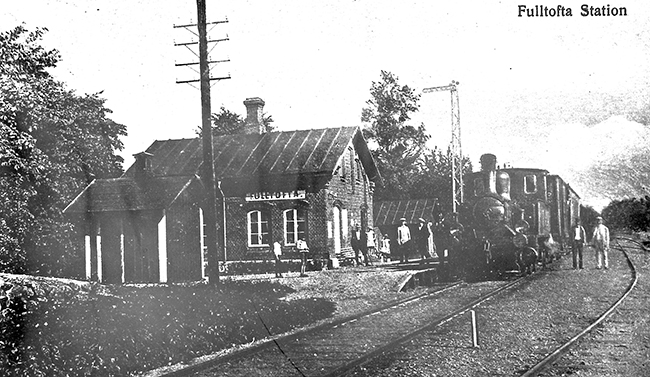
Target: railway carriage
<point x="515" y="218"/>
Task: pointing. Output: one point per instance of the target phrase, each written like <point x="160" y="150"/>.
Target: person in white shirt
<point x="303" y="249"/>
<point x="579" y="237"/>
<point x="431" y="245"/>
<point x="600" y="240"/>
<point x="277" y="253"/>
<point x="403" y="240"/>
<point x="385" y="247"/>
<point x="371" y="247"/>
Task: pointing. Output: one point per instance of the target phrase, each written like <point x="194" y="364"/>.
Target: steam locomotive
<point x="514" y="219"/>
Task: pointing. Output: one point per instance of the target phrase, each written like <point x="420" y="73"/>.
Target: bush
<point x="124" y="329"/>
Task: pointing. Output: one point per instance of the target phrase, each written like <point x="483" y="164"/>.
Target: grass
<point x="65" y="327"/>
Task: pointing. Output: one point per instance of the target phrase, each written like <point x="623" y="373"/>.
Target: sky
<point x="558" y="93"/>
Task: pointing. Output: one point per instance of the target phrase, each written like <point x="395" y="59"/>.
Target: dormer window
<point x="143" y="164"/>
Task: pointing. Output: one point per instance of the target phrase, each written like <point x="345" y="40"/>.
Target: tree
<point x="396" y="146"/>
<point x="628" y="214"/>
<point x="409" y="169"/>
<point x="587" y="216"/>
<point x="227" y="123"/>
<point x="53" y="143"/>
<point x="435" y="177"/>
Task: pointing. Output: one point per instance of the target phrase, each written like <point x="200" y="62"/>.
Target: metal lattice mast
<point x="455" y="150"/>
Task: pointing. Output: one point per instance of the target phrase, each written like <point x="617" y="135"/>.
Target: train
<point x="514" y="219"/>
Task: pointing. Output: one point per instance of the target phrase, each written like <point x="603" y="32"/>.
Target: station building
<point x="147" y="225"/>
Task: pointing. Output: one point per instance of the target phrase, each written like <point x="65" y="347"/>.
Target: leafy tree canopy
<point x="628" y="214"/>
<point x="52" y="143"/>
<point x="225" y="122"/>
<point x="409" y="169"/>
<point x="587" y="216"/>
<point x="396" y="145"/>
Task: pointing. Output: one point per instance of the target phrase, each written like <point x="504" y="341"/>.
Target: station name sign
<point x="278" y="195"/>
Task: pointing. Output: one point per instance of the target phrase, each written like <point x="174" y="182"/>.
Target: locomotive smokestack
<point x="488" y="162"/>
<point x="489" y="168"/>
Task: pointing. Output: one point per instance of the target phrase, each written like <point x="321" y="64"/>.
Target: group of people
<point x="422" y="240"/>
<point x="364" y="244"/>
<point x="303" y="249"/>
<point x="599" y="240"/>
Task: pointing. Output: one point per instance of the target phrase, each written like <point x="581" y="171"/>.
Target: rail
<point x="378" y="351"/>
<point x="558" y="352"/>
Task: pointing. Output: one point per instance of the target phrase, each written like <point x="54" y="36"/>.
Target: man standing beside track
<point x="579" y="238"/>
<point x="403" y="240"/>
<point x="600" y="240"/>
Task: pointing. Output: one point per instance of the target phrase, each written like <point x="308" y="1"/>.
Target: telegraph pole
<point x="208" y="155"/>
<point x="213" y="222"/>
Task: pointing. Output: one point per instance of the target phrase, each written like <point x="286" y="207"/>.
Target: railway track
<point x="520" y="328"/>
<point x="616" y="349"/>
<point x="367" y="344"/>
<point x="337" y="348"/>
<point x="564" y="348"/>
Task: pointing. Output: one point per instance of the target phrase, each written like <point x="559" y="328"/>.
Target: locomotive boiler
<point x="514" y="218"/>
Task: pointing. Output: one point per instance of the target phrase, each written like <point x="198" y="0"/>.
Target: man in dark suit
<point x="579" y="238"/>
<point x="422" y="239"/>
<point x="357" y="243"/>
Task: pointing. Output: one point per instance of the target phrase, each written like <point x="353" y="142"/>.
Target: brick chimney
<point x="254" y="112"/>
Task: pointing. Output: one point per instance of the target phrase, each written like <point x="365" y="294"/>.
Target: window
<point x="258" y="228"/>
<point x="479" y="188"/>
<point x="530" y="184"/>
<point x="359" y="171"/>
<point x="352" y="173"/>
<point x="295" y="225"/>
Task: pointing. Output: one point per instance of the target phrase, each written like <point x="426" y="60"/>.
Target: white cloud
<point x="602" y="162"/>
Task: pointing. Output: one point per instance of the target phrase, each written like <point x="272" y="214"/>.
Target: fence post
<point x="474" y="330"/>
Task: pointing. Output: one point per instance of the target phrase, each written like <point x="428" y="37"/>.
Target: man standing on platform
<point x="277" y="253"/>
<point x="422" y="239"/>
<point x="403" y="240"/>
<point x="371" y="245"/>
<point x="600" y="240"/>
<point x="357" y="244"/>
<point x="303" y="249"/>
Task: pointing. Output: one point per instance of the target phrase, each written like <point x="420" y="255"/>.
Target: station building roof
<point x="125" y="194"/>
<point x="315" y="151"/>
<point x="289" y="156"/>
